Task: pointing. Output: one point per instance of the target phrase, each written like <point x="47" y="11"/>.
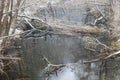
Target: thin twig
<point x="90" y="49"/>
<point x="46" y="60"/>
<point x="103" y="44"/>
<point x="94" y="60"/>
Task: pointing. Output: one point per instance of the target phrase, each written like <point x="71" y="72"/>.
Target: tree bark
<point x="16" y="15"/>
<point x="1" y="14"/>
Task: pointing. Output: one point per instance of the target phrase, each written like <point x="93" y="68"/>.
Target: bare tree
<point x="8" y="16"/>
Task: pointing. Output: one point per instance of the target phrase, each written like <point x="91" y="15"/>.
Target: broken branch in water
<point x="51" y="68"/>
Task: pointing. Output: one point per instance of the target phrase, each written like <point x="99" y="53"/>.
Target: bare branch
<point x="46" y="60"/>
<point x="94" y="60"/>
<point x="103" y="44"/>
<point x="10" y="58"/>
<point x="113" y="54"/>
<point x="30" y="24"/>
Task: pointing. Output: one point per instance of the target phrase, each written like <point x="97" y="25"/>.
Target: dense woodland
<point x="99" y="37"/>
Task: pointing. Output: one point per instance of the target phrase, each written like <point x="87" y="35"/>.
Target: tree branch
<point x="46" y="60"/>
<point x="10" y="58"/>
<point x="113" y="54"/>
